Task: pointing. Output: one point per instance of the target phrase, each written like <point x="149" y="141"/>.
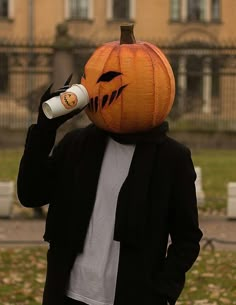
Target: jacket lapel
<point x="87" y="170"/>
<point x="133" y="204"/>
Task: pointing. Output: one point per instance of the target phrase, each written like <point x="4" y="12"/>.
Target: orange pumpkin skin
<point x="141" y="92"/>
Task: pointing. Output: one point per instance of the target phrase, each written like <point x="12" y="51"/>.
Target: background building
<point x="41" y="41"/>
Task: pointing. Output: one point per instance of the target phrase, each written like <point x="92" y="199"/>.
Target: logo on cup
<point x="69" y="100"/>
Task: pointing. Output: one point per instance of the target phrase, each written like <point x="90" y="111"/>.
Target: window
<point x="215" y="10"/>
<point x="175" y="10"/>
<point x="3" y="8"/>
<point x="194" y="82"/>
<point x="195" y="10"/>
<point x="215" y="78"/>
<point x="3" y="73"/>
<point x="78" y="9"/>
<point x="120" y="9"/>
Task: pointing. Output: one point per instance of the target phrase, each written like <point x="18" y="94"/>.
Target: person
<point x="122" y="223"/>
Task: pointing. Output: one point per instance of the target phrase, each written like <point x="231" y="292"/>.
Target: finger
<point x="59" y="91"/>
<point x="74" y="112"/>
<point x="70" y="115"/>
<point x="47" y="93"/>
<point x="64" y="88"/>
<point x="56" y="93"/>
<point x="67" y="82"/>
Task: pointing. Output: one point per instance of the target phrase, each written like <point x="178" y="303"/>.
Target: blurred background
<point x="44" y="41"/>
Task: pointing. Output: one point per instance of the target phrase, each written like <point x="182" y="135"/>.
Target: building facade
<point x="197" y="36"/>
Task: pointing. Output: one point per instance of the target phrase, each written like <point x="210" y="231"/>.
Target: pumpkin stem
<point x="127" y="34"/>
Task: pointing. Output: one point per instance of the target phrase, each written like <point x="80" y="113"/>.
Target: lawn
<point x="9" y="163"/>
<point x="211" y="281"/>
<point x="22" y="275"/>
<point x="217" y="170"/>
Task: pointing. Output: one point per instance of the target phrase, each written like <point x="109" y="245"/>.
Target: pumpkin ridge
<point x="161" y="56"/>
<point x="166" y="66"/>
<point x="164" y="60"/>
<point x="121" y="103"/>
<point x="115" y="47"/>
<point x="91" y="113"/>
<point x="155" y="106"/>
<point x="102" y="72"/>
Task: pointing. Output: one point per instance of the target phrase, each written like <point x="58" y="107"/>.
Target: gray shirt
<point x="93" y="276"/>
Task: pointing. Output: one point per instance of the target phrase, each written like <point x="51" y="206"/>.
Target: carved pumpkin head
<point x="130" y="85"/>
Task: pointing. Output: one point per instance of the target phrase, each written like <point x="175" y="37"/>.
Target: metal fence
<point x="205" y="86"/>
<point x="24" y="71"/>
<point x="205" y="83"/>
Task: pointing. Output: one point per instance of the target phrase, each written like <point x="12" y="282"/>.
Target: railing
<point x="205" y="83"/>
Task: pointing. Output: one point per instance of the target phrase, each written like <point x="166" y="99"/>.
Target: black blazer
<point x="151" y="269"/>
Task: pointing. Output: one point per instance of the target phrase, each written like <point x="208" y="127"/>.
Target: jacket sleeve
<point x="37" y="168"/>
<point x="184" y="228"/>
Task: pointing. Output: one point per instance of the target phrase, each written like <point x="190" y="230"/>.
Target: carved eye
<point x="108" y="76"/>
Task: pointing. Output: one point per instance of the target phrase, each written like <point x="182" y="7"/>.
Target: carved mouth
<point x="107" y="100"/>
<point x="67" y="102"/>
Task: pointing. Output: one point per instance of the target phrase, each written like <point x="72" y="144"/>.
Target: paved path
<point x="21" y="232"/>
<point x="30" y="231"/>
<point x="221" y="230"/>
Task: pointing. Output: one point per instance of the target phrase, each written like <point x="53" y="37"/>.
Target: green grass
<point x="202" y="123"/>
<point x="211" y="281"/>
<point x="9" y="164"/>
<point x="22" y="275"/>
<point x="217" y="170"/>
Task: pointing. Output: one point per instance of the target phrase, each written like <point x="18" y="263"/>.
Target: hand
<point x="55" y="123"/>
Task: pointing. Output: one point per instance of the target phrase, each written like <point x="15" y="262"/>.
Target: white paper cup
<point x="73" y="98"/>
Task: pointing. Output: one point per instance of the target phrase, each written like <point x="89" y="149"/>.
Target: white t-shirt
<point x="93" y="276"/>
